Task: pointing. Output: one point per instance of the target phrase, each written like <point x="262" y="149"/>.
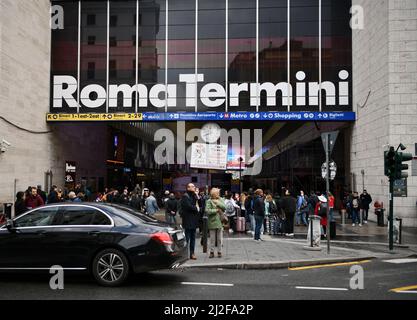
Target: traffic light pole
<point x="391" y="213"/>
<point x="328" y="191"/>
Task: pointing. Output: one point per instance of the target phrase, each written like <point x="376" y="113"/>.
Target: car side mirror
<point x="10" y="225"/>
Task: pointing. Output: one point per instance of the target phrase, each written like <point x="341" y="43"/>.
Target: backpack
<point x="230" y="209"/>
<point x="304" y="204"/>
<point x="273" y="209"/>
<point x="322" y="210"/>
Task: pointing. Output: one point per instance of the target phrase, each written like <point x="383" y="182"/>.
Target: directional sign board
<point x="208" y="156"/>
<point x="332" y="136"/>
<point x="333" y="170"/>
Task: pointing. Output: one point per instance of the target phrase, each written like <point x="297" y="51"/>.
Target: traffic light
<point x="390" y="161"/>
<point x="401" y="157"/>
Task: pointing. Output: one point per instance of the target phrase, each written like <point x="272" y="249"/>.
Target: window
<point x="101" y="219"/>
<point x="38" y="218"/>
<point x="77" y="216"/>
<point x="113" y="42"/>
<point x="91" y="72"/>
<point x="113" y="21"/>
<point x="91" y="40"/>
<point x="91" y="19"/>
<point x="112" y="69"/>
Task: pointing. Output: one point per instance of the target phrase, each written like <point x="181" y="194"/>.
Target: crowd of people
<point x="263" y="212"/>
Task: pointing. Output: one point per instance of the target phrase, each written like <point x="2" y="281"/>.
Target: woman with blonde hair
<point x="215" y="209"/>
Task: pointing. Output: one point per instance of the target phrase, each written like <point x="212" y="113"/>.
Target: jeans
<point x="259" y="221"/>
<point x="331" y="214"/>
<point x="355" y="216"/>
<point x="301" y="218"/>
<point x="252" y="221"/>
<point x="190" y="237"/>
<point x="364" y="213"/>
<point x="213" y="233"/>
<point x="172" y="219"/>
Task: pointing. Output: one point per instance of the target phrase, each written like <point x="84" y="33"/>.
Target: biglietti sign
<point x="160" y="102"/>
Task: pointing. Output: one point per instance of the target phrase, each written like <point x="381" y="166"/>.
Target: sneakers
<point x="211" y="255"/>
<point x="360" y="224"/>
<point x="230" y="231"/>
<point x="219" y="254"/>
<point x="353" y="224"/>
<point x="193" y="257"/>
<point x="365" y="221"/>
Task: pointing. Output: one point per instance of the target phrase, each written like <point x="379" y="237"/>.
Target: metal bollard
<point x="205" y="233"/>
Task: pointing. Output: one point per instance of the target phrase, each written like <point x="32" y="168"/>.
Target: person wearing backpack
<point x="230" y="211"/>
<point x="171" y="209"/>
<point x="321" y="211"/>
<point x="302" y="209"/>
<point x="271" y="211"/>
<point x="355" y="205"/>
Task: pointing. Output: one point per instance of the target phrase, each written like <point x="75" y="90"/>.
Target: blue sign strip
<point x="251" y="116"/>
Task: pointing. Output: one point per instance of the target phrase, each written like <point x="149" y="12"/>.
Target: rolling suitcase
<point x="240" y="224"/>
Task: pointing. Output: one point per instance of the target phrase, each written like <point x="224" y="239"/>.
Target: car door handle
<point x="94" y="233"/>
<point x="41" y="233"/>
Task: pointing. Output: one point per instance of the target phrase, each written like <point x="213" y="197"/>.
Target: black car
<point x="110" y="241"/>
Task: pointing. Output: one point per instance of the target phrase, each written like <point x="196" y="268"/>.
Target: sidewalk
<point x="241" y="252"/>
<point x="369" y="232"/>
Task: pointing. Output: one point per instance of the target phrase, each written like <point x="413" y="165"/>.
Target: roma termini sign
<point x="133" y="102"/>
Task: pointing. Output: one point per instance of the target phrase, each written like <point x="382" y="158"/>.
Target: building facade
<point x="197" y="55"/>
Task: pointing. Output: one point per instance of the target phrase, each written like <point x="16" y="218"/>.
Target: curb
<point x="276" y="264"/>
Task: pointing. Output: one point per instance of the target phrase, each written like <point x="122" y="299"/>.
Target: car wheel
<point x="110" y="267"/>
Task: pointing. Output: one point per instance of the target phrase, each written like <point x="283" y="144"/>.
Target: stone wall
<point x="384" y="66"/>
<point x="24" y="93"/>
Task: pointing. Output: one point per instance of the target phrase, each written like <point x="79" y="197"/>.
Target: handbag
<point x="223" y="218"/>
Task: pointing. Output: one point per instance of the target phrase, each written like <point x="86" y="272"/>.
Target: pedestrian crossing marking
<point x="399" y="261"/>
<point x="322" y="288"/>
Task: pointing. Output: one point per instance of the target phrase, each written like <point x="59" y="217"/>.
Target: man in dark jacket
<point x="19" y="205"/>
<point x="41" y="193"/>
<point x="249" y="202"/>
<point x="171" y="208"/>
<point x="34" y="200"/>
<point x="190" y="214"/>
<point x="289" y="205"/>
<point x="53" y="195"/>
<point x="365" y="201"/>
<point x="259" y="213"/>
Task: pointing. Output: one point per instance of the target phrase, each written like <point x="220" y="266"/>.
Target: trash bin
<point x="314" y="229"/>
<point x="7" y="210"/>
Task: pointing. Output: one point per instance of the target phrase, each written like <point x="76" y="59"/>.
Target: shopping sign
<point x="208" y="156"/>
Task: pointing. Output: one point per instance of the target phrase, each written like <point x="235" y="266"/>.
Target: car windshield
<point x="135" y="213"/>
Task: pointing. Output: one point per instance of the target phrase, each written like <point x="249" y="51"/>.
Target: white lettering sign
<point x="211" y="95"/>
